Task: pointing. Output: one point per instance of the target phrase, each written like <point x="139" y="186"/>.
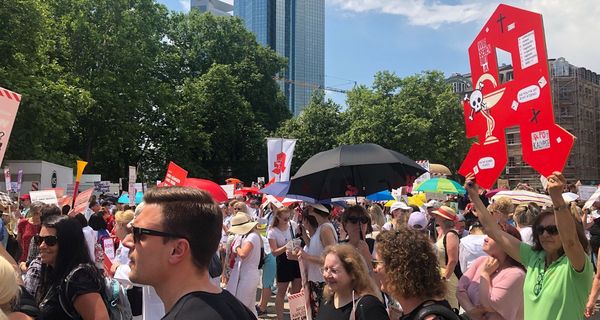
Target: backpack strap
<point x="430" y="307"/>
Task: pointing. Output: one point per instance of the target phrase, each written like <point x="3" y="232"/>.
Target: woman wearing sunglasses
<point x="62" y="250"/>
<point x="559" y="272"/>
<point x="356" y="222"/>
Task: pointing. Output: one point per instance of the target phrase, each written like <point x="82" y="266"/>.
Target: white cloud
<point x="185" y="4"/>
<point x="570" y="26"/>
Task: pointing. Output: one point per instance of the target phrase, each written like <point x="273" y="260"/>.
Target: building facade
<point x="296" y="30"/>
<point x="215" y="7"/>
<point x="576" y="102"/>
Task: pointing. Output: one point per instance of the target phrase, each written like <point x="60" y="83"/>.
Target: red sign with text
<point x="176" y="175"/>
<point x="523" y="100"/>
<point x="9" y="104"/>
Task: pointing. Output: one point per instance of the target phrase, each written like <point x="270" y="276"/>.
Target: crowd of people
<point x="181" y="255"/>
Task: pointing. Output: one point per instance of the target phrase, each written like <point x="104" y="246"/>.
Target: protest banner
<point x="45" y="196"/>
<point x="132" y="178"/>
<point x="175" y="176"/>
<point x="19" y="180"/>
<point x="297" y="306"/>
<point x="9" y="104"/>
<point x="425" y="176"/>
<point x="306" y="293"/>
<point x="586" y="192"/>
<point x="594" y="197"/>
<point x="7" y="179"/>
<point x="525" y="101"/>
<point x="279" y="157"/>
<point x="82" y="201"/>
<point x="229" y="189"/>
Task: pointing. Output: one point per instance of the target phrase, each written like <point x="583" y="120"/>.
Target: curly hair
<point x="411" y="267"/>
<point x="356" y="267"/>
<point x="503" y="205"/>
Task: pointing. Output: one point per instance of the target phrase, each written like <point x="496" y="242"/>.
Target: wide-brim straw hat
<point x="446" y="212"/>
<point x="241" y="224"/>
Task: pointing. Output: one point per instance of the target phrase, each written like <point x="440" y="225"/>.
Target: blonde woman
<point x="9" y="289"/>
<point x="349" y="293"/>
<point x="122" y="219"/>
<point x="246" y="249"/>
<point x="377" y="217"/>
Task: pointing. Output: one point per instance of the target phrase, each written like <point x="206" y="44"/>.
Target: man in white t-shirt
<point x="471" y="246"/>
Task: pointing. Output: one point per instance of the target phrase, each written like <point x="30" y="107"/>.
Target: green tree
<point x="417" y="115"/>
<point x="317" y="129"/>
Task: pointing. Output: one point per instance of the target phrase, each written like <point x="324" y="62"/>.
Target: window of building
<point x="510" y="138"/>
<point x="511" y="161"/>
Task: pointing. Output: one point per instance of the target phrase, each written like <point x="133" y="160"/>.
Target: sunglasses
<point x="49" y="240"/>
<point x="356" y="220"/>
<point x="551" y="229"/>
<point x="138" y="232"/>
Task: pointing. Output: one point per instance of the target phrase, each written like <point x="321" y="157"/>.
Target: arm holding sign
<point x="509" y="244"/>
<point x="565" y="222"/>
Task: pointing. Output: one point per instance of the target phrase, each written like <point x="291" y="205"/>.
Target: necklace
<point x="540" y="279"/>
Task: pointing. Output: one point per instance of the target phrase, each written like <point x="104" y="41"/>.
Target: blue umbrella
<point x="381" y="196"/>
<point x="124" y="198"/>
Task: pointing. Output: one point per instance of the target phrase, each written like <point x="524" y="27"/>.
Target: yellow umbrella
<point x="389" y="203"/>
<point x="417" y="200"/>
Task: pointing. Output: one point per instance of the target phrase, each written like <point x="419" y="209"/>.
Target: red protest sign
<point x="176" y="175"/>
<point x="81" y="203"/>
<point x="524" y="101"/>
<point x="9" y="104"/>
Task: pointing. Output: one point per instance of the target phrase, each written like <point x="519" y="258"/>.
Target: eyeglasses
<point x="551" y="229"/>
<point x="356" y="220"/>
<point x="50" y="241"/>
<point x="375" y="263"/>
<point x="138" y="232"/>
<point x="332" y="271"/>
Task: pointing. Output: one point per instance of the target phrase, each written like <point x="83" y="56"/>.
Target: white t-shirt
<point x="527" y="235"/>
<point x="281" y="237"/>
<point x="250" y="264"/>
<point x="470" y="248"/>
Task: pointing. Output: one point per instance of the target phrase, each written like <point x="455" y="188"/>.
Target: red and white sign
<point x="82" y="201"/>
<point x="176" y="175"/>
<point x="9" y="104"/>
<point x="524" y="101"/>
<point x="7" y="179"/>
<point x="280" y="154"/>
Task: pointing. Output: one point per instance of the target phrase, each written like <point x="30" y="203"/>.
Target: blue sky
<point x="410" y="36"/>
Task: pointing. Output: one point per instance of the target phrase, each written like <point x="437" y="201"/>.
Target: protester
<point x="377" y="217"/>
<point x="25" y="204"/>
<point x="62" y="250"/>
<point x="460" y="226"/>
<point x="246" y="250"/>
<point x="281" y="236"/>
<point x="471" y="246"/>
<point x="98" y="224"/>
<point x="350" y="292"/>
<point x="524" y="216"/>
<point x="355" y="222"/>
<point x="323" y="236"/>
<point x="559" y="273"/>
<point x="400" y="213"/>
<point x="492" y="287"/>
<point x="29" y="227"/>
<point x="400" y="257"/>
<point x="447" y="251"/>
<point x="172" y="242"/>
<point x="9" y="291"/>
<point x="502" y="209"/>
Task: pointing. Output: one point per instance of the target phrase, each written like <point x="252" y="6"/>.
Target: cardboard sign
<point x="297" y="306"/>
<point x="176" y="175"/>
<point x="524" y="101"/>
<point x="586" y="192"/>
<point x="109" y="248"/>
<point x="82" y="201"/>
<point x="593" y="198"/>
<point x="45" y="196"/>
<point x="9" y="104"/>
<point x="7" y="179"/>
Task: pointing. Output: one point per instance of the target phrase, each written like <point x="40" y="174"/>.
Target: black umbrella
<point x="353" y="170"/>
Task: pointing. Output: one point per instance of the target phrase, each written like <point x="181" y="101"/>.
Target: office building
<point x="295" y="30"/>
<point x="215" y="7"/>
<point x="576" y="102"/>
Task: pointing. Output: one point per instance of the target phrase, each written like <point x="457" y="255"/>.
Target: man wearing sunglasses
<point x="172" y="242"/>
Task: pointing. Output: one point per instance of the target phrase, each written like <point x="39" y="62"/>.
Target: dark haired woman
<point x="64" y="254"/>
<point x="559" y="272"/>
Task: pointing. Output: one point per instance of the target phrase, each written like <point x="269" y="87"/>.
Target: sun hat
<point x="241" y="224"/>
<point x="417" y="218"/>
<point x="446" y="212"/>
<point x="400" y="205"/>
<point x="319" y="207"/>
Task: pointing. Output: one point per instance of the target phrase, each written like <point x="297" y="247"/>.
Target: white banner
<point x="280" y="153"/>
<point x="229" y="189"/>
<point x="46" y="196"/>
<point x="132" y="178"/>
<point x="594" y="197"/>
<point x="425" y="176"/>
<point x="7" y="179"/>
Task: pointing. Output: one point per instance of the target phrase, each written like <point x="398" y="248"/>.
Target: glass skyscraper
<point x="296" y="30"/>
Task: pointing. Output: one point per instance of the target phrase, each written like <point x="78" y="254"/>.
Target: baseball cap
<point x="433" y="204"/>
<point x="25" y="197"/>
<point x="417" y="219"/>
<point x="400" y="205"/>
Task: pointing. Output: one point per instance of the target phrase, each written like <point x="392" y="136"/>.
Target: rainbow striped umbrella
<point x="441" y="185"/>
